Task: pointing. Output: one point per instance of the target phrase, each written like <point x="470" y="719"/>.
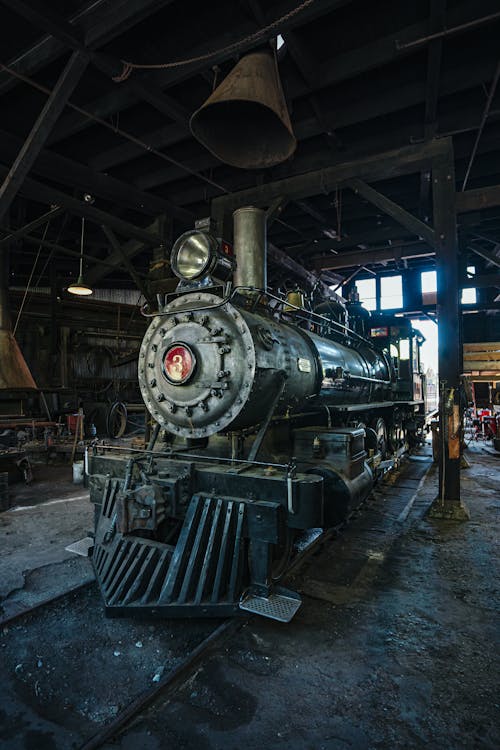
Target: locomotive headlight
<point x="196" y="254"/>
<point x="193" y="255"/>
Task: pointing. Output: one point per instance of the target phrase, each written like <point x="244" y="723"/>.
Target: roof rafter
<point x="100" y="22"/>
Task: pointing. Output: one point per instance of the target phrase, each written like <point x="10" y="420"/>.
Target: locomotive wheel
<point x="396" y="437"/>
<point x="116" y="421"/>
<point x="381" y="431"/>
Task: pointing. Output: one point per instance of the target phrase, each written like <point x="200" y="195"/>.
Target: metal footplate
<point x="282" y="604"/>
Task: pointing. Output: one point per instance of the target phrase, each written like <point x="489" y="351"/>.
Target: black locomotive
<point x="276" y="416"/>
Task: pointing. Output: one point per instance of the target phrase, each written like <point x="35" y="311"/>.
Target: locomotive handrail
<point x="368" y="380"/>
<point x="329" y="323"/>
<point x="170" y="454"/>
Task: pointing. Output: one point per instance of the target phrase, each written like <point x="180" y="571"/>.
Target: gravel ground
<point x="67" y="670"/>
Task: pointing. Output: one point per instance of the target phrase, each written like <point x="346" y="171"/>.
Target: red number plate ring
<point x="179" y="363"/>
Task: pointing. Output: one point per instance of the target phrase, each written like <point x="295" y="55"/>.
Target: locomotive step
<point x="282" y="604"/>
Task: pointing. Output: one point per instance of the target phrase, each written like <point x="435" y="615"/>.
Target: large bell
<point x="245" y="122"/>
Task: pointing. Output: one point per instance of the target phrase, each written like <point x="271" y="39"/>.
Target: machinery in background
<point x="276" y="416"/>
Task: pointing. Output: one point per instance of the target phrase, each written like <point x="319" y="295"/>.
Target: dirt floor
<point x="399" y="650"/>
<point x="395" y="646"/>
<point x="46" y="516"/>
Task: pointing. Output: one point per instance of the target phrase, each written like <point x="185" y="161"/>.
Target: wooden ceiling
<point x="355" y="85"/>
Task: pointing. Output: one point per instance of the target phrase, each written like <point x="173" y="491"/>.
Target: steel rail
<point x="45" y="602"/>
<point x="173" y="679"/>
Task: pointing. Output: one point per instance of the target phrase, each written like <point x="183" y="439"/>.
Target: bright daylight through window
<point x="367" y="290"/>
<point x="429" y="286"/>
<point x="391" y="292"/>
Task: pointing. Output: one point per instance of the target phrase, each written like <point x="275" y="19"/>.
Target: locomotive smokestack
<point x="250" y="247"/>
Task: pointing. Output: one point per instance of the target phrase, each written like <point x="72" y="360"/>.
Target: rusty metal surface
<point x="245" y="122"/>
<point x="14" y="372"/>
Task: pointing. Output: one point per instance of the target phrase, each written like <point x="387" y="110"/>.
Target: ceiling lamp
<point x="79" y="287"/>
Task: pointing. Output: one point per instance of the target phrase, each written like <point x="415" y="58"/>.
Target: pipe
<point x="448" y="32"/>
<point x="250" y="247"/>
<point x="486" y="112"/>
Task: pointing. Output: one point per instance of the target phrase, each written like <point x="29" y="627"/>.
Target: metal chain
<point x="128" y="67"/>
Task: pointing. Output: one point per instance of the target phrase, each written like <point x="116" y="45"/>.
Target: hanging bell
<point x="245" y="122"/>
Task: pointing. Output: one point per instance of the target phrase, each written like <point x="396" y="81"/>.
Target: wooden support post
<point x="41" y="129"/>
<point x="448" y="504"/>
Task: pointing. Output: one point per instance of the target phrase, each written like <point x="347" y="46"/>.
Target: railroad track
<point x="25" y="612"/>
<point x="167" y="685"/>
<point x="228" y="628"/>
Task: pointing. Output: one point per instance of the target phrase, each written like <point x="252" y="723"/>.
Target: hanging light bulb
<point x="79" y="287"/>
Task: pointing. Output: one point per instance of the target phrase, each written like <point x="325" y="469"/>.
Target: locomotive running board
<point x="200" y="576"/>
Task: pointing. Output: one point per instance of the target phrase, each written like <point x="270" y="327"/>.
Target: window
<point x="429" y="288"/>
<point x="429" y="282"/>
<point x="391" y="292"/>
<point x="336" y="289"/>
<point x="404" y="349"/>
<point x="469" y="296"/>
<point x="367" y="290"/>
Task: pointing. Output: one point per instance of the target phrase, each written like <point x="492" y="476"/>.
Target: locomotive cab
<point x="397" y="338"/>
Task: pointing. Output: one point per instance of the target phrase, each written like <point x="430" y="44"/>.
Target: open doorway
<point x="429" y="359"/>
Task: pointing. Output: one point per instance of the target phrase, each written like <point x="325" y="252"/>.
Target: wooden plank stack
<point x="482" y="360"/>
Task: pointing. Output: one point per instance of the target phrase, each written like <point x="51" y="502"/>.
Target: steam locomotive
<point x="276" y="416"/>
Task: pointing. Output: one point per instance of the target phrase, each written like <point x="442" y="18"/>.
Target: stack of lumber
<point x="482" y="360"/>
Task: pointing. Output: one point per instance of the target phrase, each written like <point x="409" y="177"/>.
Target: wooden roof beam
<point x="118" y="249"/>
<point x="96" y="24"/>
<point x="127" y="93"/>
<point x="368" y="257"/>
<point x="486" y="254"/>
<point x="42" y="193"/>
<point x="34" y="142"/>
<point x="379" y="166"/>
<point x="130" y="249"/>
<point x="58" y="27"/>
<point x="398" y="213"/>
<point x="476" y="200"/>
<point x="72" y="173"/>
